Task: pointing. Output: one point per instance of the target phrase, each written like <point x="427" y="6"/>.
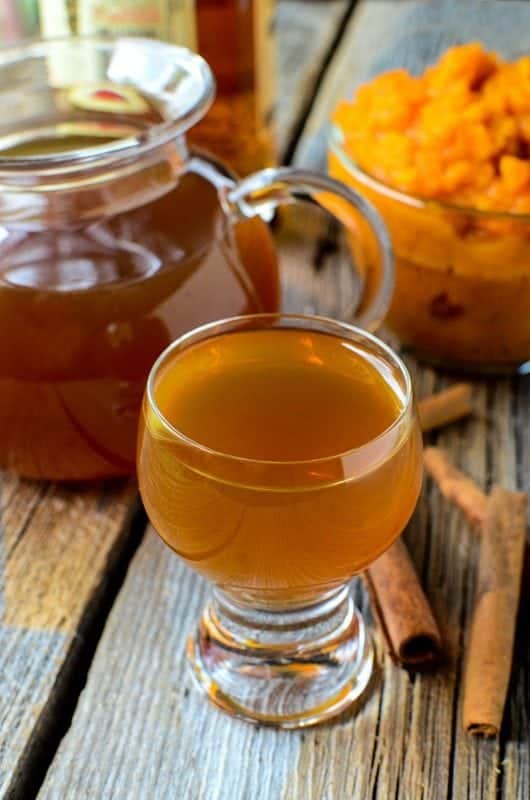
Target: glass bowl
<point x="462" y="284"/>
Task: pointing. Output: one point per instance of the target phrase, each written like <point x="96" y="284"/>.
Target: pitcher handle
<point x="261" y="193"/>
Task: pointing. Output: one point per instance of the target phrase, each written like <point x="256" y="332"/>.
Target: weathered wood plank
<point x="406" y="741"/>
<point x="305" y="35"/>
<point x="164" y="743"/>
<point x="56" y="545"/>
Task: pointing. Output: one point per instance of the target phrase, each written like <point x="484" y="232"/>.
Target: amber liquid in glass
<point x="86" y="307"/>
<point x="310" y="519"/>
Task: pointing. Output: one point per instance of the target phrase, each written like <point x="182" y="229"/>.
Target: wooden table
<point x="88" y="595"/>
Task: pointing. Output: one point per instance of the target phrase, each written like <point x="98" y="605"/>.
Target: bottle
<point x="236" y="37"/>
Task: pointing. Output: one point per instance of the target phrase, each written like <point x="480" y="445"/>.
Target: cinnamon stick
<point x="446" y="406"/>
<point x="465" y="494"/>
<point x="455" y="486"/>
<point x="493" y="628"/>
<point x="402" y="610"/>
<point x="398" y="601"/>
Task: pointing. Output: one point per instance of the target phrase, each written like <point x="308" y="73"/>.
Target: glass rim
<point x="336" y="145"/>
<point x="144" y="141"/>
<point x="254" y="319"/>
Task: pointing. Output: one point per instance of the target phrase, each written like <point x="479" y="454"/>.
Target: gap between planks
<point x="337" y="13"/>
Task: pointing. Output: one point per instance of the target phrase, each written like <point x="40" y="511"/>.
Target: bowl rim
<point x="336" y="146"/>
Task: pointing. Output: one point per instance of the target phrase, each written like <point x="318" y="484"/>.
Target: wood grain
<point x="141" y="729"/>
<point x="165" y="741"/>
<point x="305" y="34"/>
<point x="56" y="545"/>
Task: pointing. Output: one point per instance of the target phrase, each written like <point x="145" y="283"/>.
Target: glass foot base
<point x="288" y="668"/>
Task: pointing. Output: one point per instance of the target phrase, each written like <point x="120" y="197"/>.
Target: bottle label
<point x="264" y="49"/>
<point x="172" y="20"/>
<point x="134" y="17"/>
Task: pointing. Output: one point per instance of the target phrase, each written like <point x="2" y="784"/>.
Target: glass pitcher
<point x="115" y="239"/>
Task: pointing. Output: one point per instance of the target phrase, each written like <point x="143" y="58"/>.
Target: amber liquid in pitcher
<point x="300" y="399"/>
<point x="86" y="307"/>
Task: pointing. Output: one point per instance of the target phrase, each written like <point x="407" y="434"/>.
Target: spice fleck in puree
<point x="458" y="135"/>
